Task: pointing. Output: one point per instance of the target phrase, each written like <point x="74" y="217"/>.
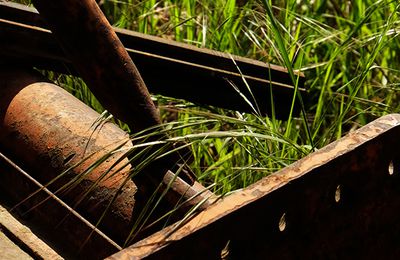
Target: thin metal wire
<point x="62" y="203"/>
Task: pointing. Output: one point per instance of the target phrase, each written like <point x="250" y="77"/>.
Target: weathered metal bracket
<point x="342" y="201"/>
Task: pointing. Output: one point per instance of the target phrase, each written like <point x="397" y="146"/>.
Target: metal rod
<point x="60" y="134"/>
<point x="59" y="201"/>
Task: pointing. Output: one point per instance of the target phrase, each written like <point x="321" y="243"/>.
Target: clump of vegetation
<point x="349" y="52"/>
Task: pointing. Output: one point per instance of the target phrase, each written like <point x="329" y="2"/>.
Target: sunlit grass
<point x="348" y="52"/>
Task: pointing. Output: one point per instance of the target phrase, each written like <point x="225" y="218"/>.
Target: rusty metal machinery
<point x="49" y="123"/>
<point x="339" y="202"/>
<point x="90" y="43"/>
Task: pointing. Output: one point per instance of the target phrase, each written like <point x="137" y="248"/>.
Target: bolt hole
<point x="338" y="194"/>
<point x="282" y="223"/>
<point x="391" y="168"/>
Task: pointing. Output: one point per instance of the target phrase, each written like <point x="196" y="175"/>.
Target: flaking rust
<point x="49" y="131"/>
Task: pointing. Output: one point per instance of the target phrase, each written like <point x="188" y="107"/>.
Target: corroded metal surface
<point x="57" y="131"/>
<point x="48" y="130"/>
<point x="339" y="202"/>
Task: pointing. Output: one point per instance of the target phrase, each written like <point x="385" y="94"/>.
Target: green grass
<point x="349" y="53"/>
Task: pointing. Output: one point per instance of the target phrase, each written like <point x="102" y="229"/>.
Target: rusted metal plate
<point x="342" y="201"/>
<point x="168" y="68"/>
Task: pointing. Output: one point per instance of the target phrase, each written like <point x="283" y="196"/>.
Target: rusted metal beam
<point x="342" y="201"/>
<point x="168" y="68"/>
<point x="101" y="60"/>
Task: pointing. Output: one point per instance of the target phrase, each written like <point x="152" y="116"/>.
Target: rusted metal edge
<point x="341" y="201"/>
<point x="167" y="67"/>
<point x="22" y="235"/>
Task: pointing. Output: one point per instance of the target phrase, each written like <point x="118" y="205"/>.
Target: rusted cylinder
<point x="48" y="130"/>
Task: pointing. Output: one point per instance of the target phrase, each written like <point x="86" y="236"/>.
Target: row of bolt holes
<point x="282" y="221"/>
